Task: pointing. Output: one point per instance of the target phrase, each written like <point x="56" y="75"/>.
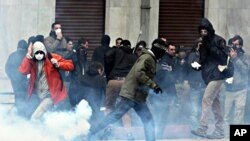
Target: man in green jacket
<point x="134" y="91"/>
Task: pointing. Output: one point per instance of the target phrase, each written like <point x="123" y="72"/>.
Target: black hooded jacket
<point x="99" y="52"/>
<point x="19" y="82"/>
<point x="213" y="53"/>
<point x="118" y="62"/>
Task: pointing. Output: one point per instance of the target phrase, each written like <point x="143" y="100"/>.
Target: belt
<point x="118" y="78"/>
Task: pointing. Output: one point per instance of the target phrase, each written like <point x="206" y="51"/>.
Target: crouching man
<point x="134" y="91"/>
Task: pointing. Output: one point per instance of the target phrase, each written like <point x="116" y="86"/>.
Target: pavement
<point x="171" y="133"/>
<point x="181" y="140"/>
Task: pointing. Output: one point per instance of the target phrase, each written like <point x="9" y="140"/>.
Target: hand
<point x="195" y="65"/>
<point x="55" y="62"/>
<point x="229" y="80"/>
<point x="157" y="89"/>
<point x="199" y="45"/>
<point x="59" y="34"/>
<point x="29" y="52"/>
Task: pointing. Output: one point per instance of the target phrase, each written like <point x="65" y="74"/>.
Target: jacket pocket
<point x="141" y="93"/>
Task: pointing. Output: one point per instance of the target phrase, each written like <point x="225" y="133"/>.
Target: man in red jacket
<point x="45" y="80"/>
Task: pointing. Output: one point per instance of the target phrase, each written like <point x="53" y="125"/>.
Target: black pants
<point x="123" y="106"/>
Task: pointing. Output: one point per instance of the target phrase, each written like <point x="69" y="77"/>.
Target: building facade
<point x="130" y="19"/>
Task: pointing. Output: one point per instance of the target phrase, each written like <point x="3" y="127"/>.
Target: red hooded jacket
<point x="58" y="93"/>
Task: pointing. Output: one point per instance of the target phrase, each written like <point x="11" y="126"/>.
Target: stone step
<point x="6" y="107"/>
<point x="5" y="85"/>
<point x="171" y="132"/>
<point x="7" y="98"/>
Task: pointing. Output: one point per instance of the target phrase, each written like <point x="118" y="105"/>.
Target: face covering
<point x="39" y="56"/>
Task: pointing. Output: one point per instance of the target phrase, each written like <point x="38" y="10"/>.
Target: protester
<point x="19" y="82"/>
<point x="45" y="80"/>
<point x="134" y="92"/>
<point x="215" y="68"/>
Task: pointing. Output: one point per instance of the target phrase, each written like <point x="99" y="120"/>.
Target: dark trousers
<point x="122" y="107"/>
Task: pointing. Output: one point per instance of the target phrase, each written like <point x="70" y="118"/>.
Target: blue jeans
<point x="195" y="105"/>
<point x="122" y="107"/>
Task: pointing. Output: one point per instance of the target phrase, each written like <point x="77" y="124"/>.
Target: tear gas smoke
<point x="55" y="126"/>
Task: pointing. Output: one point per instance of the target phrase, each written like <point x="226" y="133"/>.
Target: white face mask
<point x="39" y="56"/>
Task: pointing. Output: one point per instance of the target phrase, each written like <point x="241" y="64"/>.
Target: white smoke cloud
<point x="55" y="126"/>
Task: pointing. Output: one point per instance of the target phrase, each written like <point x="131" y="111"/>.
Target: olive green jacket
<point x="140" y="78"/>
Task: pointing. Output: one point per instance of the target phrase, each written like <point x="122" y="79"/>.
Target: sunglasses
<point x="39" y="52"/>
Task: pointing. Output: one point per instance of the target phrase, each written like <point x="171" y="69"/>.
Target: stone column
<point x="126" y="18"/>
<point x="230" y="17"/>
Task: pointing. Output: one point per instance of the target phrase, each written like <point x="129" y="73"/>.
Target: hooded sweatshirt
<point x="44" y="77"/>
<point x="41" y="85"/>
<point x="99" y="52"/>
<point x="119" y="61"/>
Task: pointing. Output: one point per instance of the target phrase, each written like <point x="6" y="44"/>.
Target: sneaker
<point x="130" y="137"/>
<point x="199" y="132"/>
<point x="216" y="135"/>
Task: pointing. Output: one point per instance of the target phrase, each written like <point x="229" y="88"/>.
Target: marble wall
<point x="230" y="17"/>
<point x="122" y="19"/>
<point x="20" y="19"/>
<point x="126" y="18"/>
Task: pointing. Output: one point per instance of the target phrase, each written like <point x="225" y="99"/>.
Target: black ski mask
<point x="158" y="48"/>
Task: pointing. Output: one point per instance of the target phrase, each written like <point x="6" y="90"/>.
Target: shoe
<point x="199" y="132"/>
<point x="216" y="135"/>
<point x="130" y="137"/>
<point x="106" y="134"/>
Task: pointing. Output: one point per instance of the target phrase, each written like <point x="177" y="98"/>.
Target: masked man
<point x="56" y="42"/>
<point x="215" y="68"/>
<point x="134" y="91"/>
<point x="45" y="80"/>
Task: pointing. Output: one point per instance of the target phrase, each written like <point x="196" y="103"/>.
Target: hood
<point x="105" y="40"/>
<point x="206" y="24"/>
<point x="38" y="46"/>
<point x="22" y="44"/>
<point x="126" y="46"/>
<point x="127" y="49"/>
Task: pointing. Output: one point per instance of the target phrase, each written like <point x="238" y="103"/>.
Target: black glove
<point x="157" y="89"/>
